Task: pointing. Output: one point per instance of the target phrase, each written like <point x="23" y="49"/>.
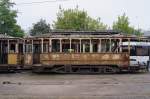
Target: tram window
<point x="45" y="47"/>
<point x="12" y="48"/>
<point x="95" y="47"/>
<point x="133" y="51"/>
<point x="28" y="48"/>
<point x="20" y="48"/>
<point x="87" y="48"/>
<point x="36" y="48"/>
<point x="65" y="48"/>
<point x="142" y="51"/>
<point x="74" y="47"/>
<point x="55" y="46"/>
<point x="104" y="46"/>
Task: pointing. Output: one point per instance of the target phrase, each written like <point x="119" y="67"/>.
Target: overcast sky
<point x="137" y="10"/>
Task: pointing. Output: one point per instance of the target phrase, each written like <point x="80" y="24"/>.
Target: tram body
<point x="68" y="52"/>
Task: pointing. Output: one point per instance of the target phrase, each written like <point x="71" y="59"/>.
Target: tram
<point x="71" y="52"/>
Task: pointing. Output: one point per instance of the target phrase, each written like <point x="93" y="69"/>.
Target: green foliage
<point x="123" y="25"/>
<point x="40" y="27"/>
<point x="8" y="23"/>
<point x="74" y="19"/>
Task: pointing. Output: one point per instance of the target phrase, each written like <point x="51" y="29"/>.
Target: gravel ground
<point x="26" y="85"/>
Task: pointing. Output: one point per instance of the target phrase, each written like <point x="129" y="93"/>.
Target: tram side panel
<point x="9" y="55"/>
<point x="51" y="60"/>
<point x="13" y="59"/>
<point x="28" y="60"/>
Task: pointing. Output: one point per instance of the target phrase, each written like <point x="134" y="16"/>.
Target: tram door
<point x="36" y="53"/>
<point x="20" y="54"/>
<point x="3" y="53"/>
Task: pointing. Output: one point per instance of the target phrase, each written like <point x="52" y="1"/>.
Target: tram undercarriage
<point x="77" y="69"/>
<point x="87" y="69"/>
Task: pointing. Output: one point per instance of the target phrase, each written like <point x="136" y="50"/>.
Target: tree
<point x="8" y="23"/>
<point x="123" y="25"/>
<point x="75" y="19"/>
<point x="40" y="27"/>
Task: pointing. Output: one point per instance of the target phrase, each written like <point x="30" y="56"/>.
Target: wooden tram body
<point x="68" y="52"/>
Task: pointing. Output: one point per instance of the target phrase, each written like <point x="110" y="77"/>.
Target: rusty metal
<point x="118" y="59"/>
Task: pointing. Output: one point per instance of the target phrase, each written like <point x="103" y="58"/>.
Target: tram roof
<point x="86" y="34"/>
<point x="102" y="32"/>
<point x="5" y="36"/>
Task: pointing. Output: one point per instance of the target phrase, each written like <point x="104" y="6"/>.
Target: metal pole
<point x="80" y="45"/>
<point x="8" y="46"/>
<point x="60" y="45"/>
<point x="129" y="46"/>
<point x="70" y="45"/>
<point x="17" y="46"/>
<point x="42" y="45"/>
<point x="110" y="45"/>
<point x="121" y="44"/>
<point x="77" y="47"/>
<point x="83" y="47"/>
<point x="50" y="45"/>
<point x="99" y="46"/>
<point x="32" y="46"/>
<point x="91" y="46"/>
<point x="23" y="46"/>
